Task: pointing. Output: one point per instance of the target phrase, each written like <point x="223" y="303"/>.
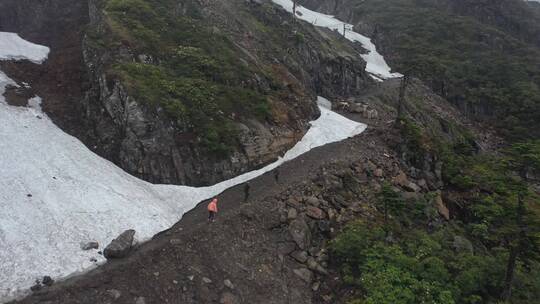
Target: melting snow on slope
<point x="13" y="47"/>
<point x="376" y="65"/>
<point x="76" y="196"/>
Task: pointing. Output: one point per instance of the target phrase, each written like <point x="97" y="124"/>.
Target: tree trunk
<point x="509" y="276"/>
<point x="386" y="228"/>
<point x="514" y="252"/>
<point x="294" y="11"/>
<point x="401" y="100"/>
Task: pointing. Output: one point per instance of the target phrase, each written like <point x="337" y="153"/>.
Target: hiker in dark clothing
<point x="276" y="175"/>
<point x="246" y="191"/>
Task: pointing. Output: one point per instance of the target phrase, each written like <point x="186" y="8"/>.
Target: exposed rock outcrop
<point x="90" y="103"/>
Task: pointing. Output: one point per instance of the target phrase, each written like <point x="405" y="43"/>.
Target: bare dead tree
<point x="516" y="249"/>
<point x="401" y="101"/>
<point x="294" y="10"/>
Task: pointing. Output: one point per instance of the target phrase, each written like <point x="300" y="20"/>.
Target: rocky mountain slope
<point x="274" y="247"/>
<point x="254" y="97"/>
<point x="436" y="202"/>
<point x="279" y="246"/>
<point x="480" y="55"/>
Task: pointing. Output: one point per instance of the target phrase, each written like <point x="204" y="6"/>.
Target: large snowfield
<point x="376" y="65"/>
<point x="56" y="194"/>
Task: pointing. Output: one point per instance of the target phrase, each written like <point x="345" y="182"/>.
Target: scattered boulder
<point x="175" y="242"/>
<point x="300" y="256"/>
<point x="356" y="108"/>
<point x="248" y="214"/>
<point x="286" y="248"/>
<point x="305" y="274"/>
<point x="293" y="202"/>
<point x="370" y="167"/>
<point x="315" y="213"/>
<point x="206" y="280"/>
<point x="343" y="106"/>
<point x="371" y="114"/>
<point x="441" y="207"/>
<point x="423" y="184"/>
<point x="300" y="232"/>
<point x="327" y="298"/>
<point x="356" y="207"/>
<point x="140" y="300"/>
<point x="89" y="246"/>
<point x="228" y="298"/>
<point x="332" y="214"/>
<point x="292" y="214"/>
<point x="412" y="187"/>
<point x="121" y="246"/>
<point x="313" y="265"/>
<point x="47" y="281"/>
<point x="114" y="294"/>
<point x="313" y="201"/>
<point x="341" y="202"/>
<point x="283" y="217"/>
<point x="228" y="284"/>
<point x="410" y="196"/>
<point x="322" y="256"/>
<point x="401" y="179"/>
<point x="36" y="287"/>
<point x="315" y="287"/>
<point x="378" y="173"/>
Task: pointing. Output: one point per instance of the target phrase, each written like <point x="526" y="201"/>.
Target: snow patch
<point x="323" y="102"/>
<point x="376" y="65"/>
<point x="55" y="193"/>
<point x="13" y="47"/>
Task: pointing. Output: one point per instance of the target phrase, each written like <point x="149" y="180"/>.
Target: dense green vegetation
<point x="408" y="256"/>
<point x="184" y="66"/>
<point x="463" y="59"/>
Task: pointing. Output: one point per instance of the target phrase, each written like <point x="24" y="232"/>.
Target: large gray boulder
<point x="121" y="246"/>
<point x="300" y="233"/>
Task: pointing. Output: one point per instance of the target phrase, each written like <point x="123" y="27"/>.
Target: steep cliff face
<point x="96" y="83"/>
<point x="154" y="143"/>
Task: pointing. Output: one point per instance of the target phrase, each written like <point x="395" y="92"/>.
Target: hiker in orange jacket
<point x="212" y="210"/>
